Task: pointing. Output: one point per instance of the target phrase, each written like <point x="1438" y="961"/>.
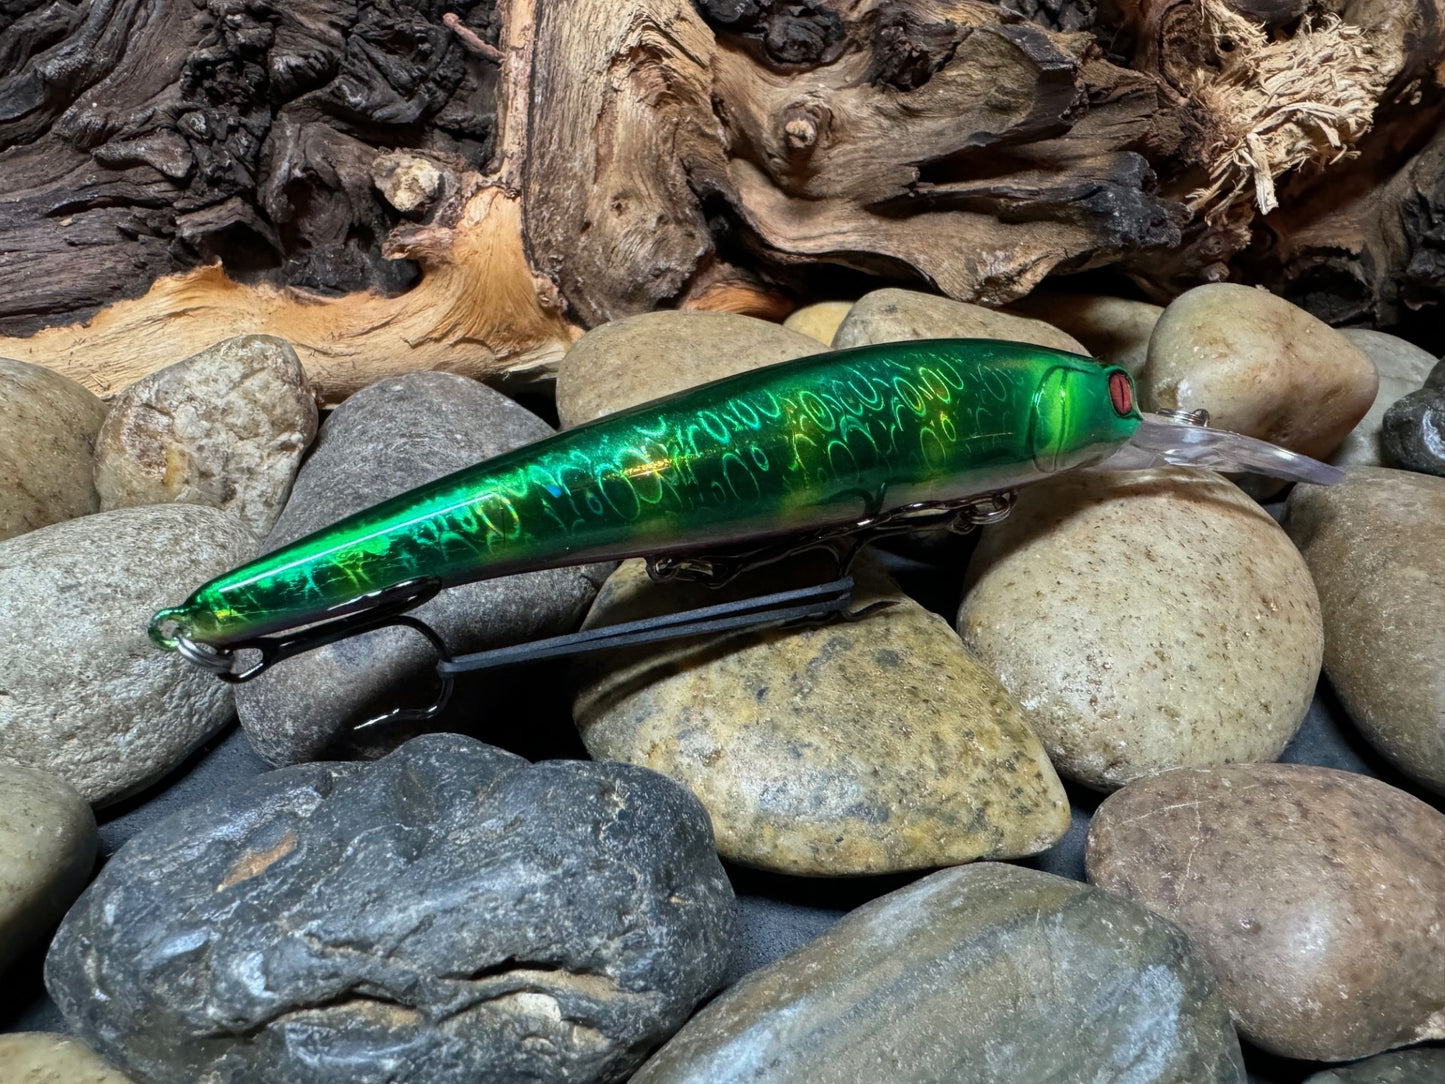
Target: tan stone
<point x="895" y="315"/>
<point x="1114" y="329"/>
<point x="226" y="428"/>
<point x="1317" y="897"/>
<point x="1260" y="366"/>
<point x="857" y="747"/>
<point x="1375" y="545"/>
<point x="47" y="848"/>
<point x="49" y="424"/>
<point x="39" y="1057"/>
<point x="819" y="321"/>
<point x="657" y="354"/>
<point x="1146" y="620"/>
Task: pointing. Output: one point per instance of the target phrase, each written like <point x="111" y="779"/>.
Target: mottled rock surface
<point x="1114" y="329"/>
<point x="820" y="320"/>
<point x="384" y="440"/>
<point x="1317" y="897"/>
<point x="89" y="697"/>
<point x="1421" y="1066"/>
<point x="47" y="849"/>
<point x="49" y="424"/>
<point x="893" y="315"/>
<point x="986" y="973"/>
<point x="1375" y="545"/>
<point x="869" y="746"/>
<point x="225" y="428"/>
<point x="656" y="354"/>
<point x="1260" y="366"/>
<point x="1402" y="367"/>
<point x="40" y="1057"/>
<point x="447" y="914"/>
<point x="1145" y="620"/>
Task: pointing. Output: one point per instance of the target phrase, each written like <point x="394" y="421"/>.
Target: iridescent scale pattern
<point x="820" y="440"/>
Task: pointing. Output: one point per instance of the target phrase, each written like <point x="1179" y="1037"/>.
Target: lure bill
<point x="824" y="441"/>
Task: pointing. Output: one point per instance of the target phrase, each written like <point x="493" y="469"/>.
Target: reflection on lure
<point x="819" y="451"/>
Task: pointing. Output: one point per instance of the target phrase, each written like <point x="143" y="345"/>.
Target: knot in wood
<point x="800" y="126"/>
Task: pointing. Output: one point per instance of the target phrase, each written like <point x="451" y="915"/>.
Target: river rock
<point x="226" y="428"/>
<point x="656" y="354"/>
<point x="820" y="320"/>
<point x="39" y="1057"/>
<point x="1145" y="620"/>
<point x="88" y="696"/>
<point x="868" y="746"/>
<point x="1374" y="546"/>
<point x="388" y="438"/>
<point x="47" y="848"/>
<point x="1114" y="329"/>
<point x="1413" y="432"/>
<point x="448" y="914"/>
<point x="1316" y="896"/>
<point x="1425" y="1065"/>
<point x="49" y="422"/>
<point x="891" y="315"/>
<point x="979" y="974"/>
<point x="1402" y="368"/>
<point x="1260" y="366"/>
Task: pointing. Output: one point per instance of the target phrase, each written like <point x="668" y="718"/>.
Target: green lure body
<point x="819" y="441"/>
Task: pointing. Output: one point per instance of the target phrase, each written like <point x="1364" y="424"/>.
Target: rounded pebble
<point x="88" y="696"/>
<point x="894" y="315"/>
<point x="49" y="424"/>
<point x="1145" y="620"/>
<point x="1402" y="368"/>
<point x="39" y="1057"/>
<point x="1114" y="329"/>
<point x="820" y="320"/>
<point x="1317" y="896"/>
<point x="225" y="428"/>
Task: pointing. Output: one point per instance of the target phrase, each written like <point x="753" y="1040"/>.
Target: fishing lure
<point x="828" y="450"/>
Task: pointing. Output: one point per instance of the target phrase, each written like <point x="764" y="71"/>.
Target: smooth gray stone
<point x="87" y="695"/>
<point x="47" y="848"/>
<point x="1402" y="367"/>
<point x="977" y="973"/>
<point x="388" y="438"/>
<point x="450" y="913"/>
<point x="1425" y="1065"/>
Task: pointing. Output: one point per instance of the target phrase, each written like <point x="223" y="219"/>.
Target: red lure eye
<point x="1121" y="392"/>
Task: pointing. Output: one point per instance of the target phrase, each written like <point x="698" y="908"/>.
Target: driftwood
<point x="415" y="184"/>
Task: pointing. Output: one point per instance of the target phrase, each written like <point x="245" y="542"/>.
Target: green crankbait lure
<point x="717" y="478"/>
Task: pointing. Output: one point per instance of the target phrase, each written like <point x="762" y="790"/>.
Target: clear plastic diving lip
<point x="1162" y="439"/>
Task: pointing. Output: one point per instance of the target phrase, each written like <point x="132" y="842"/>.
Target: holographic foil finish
<point x="818" y="441"/>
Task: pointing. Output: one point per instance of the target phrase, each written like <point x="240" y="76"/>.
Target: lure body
<point x="822" y="440"/>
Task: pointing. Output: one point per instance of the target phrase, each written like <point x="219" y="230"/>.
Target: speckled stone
<point x="1425" y="1065"/>
<point x="1260" y="366"/>
<point x="1114" y="329"/>
<point x="226" y="428"/>
<point x="893" y="315"/>
<point x="49" y="424"/>
<point x="47" y="848"/>
<point x="861" y="747"/>
<point x="974" y="975"/>
<point x="1375" y="545"/>
<point x="1316" y="896"/>
<point x="88" y="696"/>
<point x="656" y="354"/>
<point x="1146" y="620"/>
<point x="448" y="914"/>
<point x="1402" y="368"/>
<point x="820" y="320"/>
<point x="39" y="1057"/>
<point x="397" y="434"/>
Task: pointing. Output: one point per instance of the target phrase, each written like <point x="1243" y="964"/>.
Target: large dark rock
<point x="975" y="975"/>
<point x="448" y="913"/>
<point x="388" y="438"/>
<point x="1413" y="429"/>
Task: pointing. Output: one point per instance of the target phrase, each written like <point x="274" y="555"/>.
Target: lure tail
<point x="1163" y="438"/>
